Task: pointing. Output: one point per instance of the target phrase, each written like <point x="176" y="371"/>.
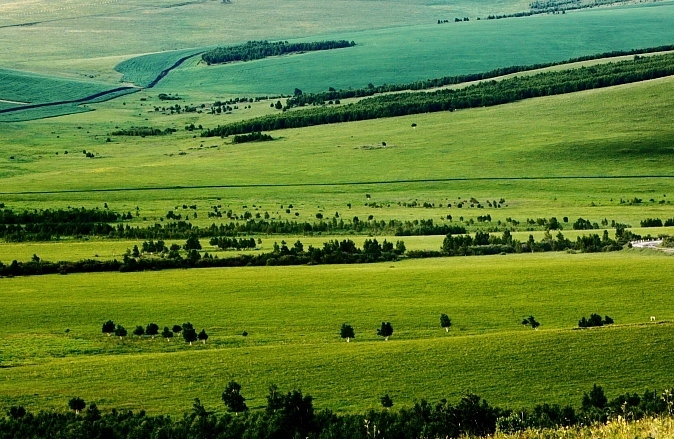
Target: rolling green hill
<point x="420" y="52"/>
<point x="293" y="315"/>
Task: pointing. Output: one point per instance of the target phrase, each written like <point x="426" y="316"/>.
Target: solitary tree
<point x="386" y="401"/>
<point x="167" y="333"/>
<point x="189" y="333"/>
<point x="445" y="321"/>
<point x="139" y="331"/>
<point x="152" y="329"/>
<point x="531" y="321"/>
<point x="347" y="332"/>
<point x="203" y="336"/>
<point x="76" y="404"/>
<point x="233" y="398"/>
<point x="177" y="329"/>
<point x="108" y="327"/>
<point x="120" y="331"/>
<point x="385" y="331"/>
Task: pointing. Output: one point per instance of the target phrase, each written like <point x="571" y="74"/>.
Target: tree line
<point x="483" y="94"/>
<point x="291" y="415"/>
<point x="320" y="98"/>
<point x="46" y="225"/>
<point x="143" y="131"/>
<point x="332" y="252"/>
<point x="226" y="243"/>
<point x="253" y="50"/>
<point x="184" y="229"/>
<point x="485" y="244"/>
<point x="187" y="330"/>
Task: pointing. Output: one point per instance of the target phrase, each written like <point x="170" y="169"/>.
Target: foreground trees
<point x="291" y="415"/>
<point x="76" y="404"/>
<point x="233" y="398"/>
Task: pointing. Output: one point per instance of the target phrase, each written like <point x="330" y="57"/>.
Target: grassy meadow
<point x="599" y="154"/>
<point x="614" y="132"/>
<point x="387" y="56"/>
<point x="74" y="37"/>
<point x="293" y="314"/>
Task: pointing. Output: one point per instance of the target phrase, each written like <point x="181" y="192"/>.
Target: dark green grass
<point x="38" y="89"/>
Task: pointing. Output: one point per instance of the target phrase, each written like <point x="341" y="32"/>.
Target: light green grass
<point x="431" y="51"/>
<point x="617" y="131"/>
<point x="75" y="31"/>
<point x="293" y="314"/>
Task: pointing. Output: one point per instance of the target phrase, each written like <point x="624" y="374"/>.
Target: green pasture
<point x="31" y="88"/>
<point x="66" y="36"/>
<point x="611" y="132"/>
<point x="293" y="315"/>
<point x="416" y="53"/>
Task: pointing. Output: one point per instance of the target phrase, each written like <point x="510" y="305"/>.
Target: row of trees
<point x="386" y="330"/>
<point x="184" y="229"/>
<point x="253" y="50"/>
<point x="143" y="131"/>
<point x="332" y="252"/>
<point x="292" y="415"/>
<point x="370" y="90"/>
<point x="657" y="222"/>
<point x="226" y="243"/>
<point x="483" y="94"/>
<point x="70" y="215"/>
<point x="48" y="225"/>
<point x="485" y="244"/>
<point x="152" y="329"/>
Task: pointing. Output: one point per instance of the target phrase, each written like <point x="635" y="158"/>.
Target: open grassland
<point x="293" y="314"/>
<point x="611" y="132"/>
<point x="389" y="56"/>
<point x="57" y="34"/>
<point x="30" y="88"/>
<point x="146" y="69"/>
